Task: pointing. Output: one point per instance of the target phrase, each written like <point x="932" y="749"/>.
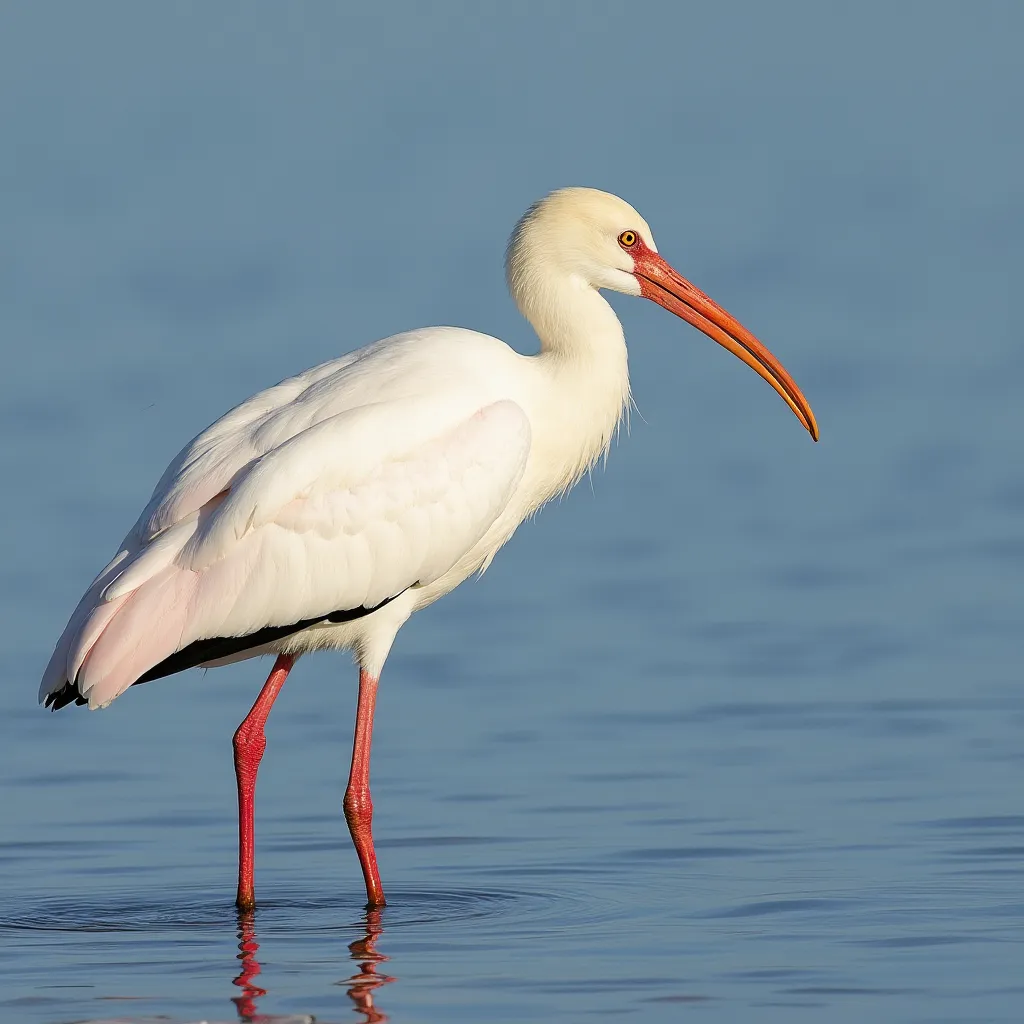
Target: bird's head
<point x="598" y="240"/>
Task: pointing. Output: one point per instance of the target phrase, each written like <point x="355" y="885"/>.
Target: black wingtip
<point x="69" y="694"/>
<point x="214" y="649"/>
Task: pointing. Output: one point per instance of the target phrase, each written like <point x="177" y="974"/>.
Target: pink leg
<point x="358" y="805"/>
<point x="250" y="742"/>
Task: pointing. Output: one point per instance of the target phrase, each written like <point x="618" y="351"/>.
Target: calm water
<point x="734" y="732"/>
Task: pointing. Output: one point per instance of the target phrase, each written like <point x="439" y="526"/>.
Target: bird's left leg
<point x="249" y="743"/>
<point x="358" y="805"/>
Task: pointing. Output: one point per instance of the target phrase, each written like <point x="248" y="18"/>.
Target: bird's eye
<point x="627" y="239"/>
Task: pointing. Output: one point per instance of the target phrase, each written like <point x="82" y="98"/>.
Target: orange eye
<point x="627" y="239"/>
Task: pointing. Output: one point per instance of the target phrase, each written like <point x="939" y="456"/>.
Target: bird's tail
<point x="132" y="617"/>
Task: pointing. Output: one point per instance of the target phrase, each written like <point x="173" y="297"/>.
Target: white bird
<point x="324" y="511"/>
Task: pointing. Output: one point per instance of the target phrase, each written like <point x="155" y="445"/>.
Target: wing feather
<point x="311" y="530"/>
<point x="345" y="514"/>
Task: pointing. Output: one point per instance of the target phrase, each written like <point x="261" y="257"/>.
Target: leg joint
<point x="249" y="742"/>
<point x="358" y="805"/>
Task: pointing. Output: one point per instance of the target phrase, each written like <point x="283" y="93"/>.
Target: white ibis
<point x="324" y="511"/>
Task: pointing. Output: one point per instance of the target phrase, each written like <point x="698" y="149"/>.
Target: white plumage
<point x="318" y="495"/>
<point x="368" y="487"/>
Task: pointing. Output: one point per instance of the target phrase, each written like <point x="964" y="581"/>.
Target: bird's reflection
<point x="360" y="987"/>
<point x="248" y="947"/>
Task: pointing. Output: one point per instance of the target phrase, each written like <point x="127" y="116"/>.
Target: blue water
<point x="735" y="731"/>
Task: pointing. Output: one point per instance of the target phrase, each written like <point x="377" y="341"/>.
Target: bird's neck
<point x="583" y="358"/>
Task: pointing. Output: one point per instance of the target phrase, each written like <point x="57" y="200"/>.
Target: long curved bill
<point x="660" y="283"/>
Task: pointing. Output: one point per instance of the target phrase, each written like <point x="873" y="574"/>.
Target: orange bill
<point x="660" y="283"/>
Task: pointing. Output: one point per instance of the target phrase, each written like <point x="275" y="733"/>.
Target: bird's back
<point x="431" y="362"/>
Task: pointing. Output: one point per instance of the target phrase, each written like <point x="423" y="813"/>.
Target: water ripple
<point x="489" y="909"/>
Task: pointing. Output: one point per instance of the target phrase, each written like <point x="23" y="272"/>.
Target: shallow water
<point x="735" y="730"/>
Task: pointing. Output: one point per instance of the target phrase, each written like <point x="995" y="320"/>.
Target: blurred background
<point x="738" y="724"/>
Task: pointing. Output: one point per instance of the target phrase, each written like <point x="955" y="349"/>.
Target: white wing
<point x="336" y="510"/>
<point x="413" y="365"/>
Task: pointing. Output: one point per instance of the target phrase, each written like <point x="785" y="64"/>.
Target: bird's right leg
<point x="358" y="805"/>
<point x="249" y="743"/>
